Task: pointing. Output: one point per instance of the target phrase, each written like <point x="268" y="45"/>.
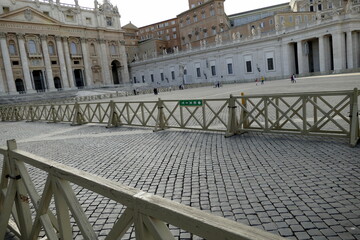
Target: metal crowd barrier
<point x="332" y="114"/>
<point x="29" y="214"/>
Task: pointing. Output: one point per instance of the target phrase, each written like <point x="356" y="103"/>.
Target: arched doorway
<point x="79" y="79"/>
<point x="39" y="80"/>
<point x="116" y="72"/>
<point x="57" y="83"/>
<point x="19" y="83"/>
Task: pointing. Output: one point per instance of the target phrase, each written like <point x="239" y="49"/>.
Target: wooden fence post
<point x="160" y="121"/>
<point x="233" y="123"/>
<point x="78" y="117"/>
<point x="354" y="119"/>
<point x="114" y="119"/>
<point x="244" y="118"/>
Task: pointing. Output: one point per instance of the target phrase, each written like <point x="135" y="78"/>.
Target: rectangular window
<point x="270" y="64"/>
<point x="53" y="62"/>
<point x="88" y="21"/>
<point x="230" y="68"/>
<point x="152" y="77"/>
<point x="213" y="70"/>
<point x="15" y="63"/>
<point x="143" y="78"/>
<point x="172" y="75"/>
<point x="134" y="79"/>
<point x="248" y="67"/>
<point x="198" y="72"/>
<point x="6" y="9"/>
<point x="109" y="22"/>
<point x="162" y="76"/>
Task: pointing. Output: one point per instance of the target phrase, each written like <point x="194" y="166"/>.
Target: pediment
<point x="29" y="15"/>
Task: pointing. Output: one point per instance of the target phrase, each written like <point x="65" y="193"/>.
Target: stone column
<point x="105" y="66"/>
<point x="2" y="83"/>
<point x="339" y="51"/>
<point x="300" y="51"/>
<point x="7" y="64"/>
<point x="349" y="50"/>
<point x="49" y="73"/>
<point x="60" y="52"/>
<point x="68" y="63"/>
<point x="322" y="59"/>
<point x="125" y="70"/>
<point x="24" y="63"/>
<point x="88" y="71"/>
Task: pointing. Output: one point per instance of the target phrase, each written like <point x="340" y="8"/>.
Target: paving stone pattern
<point x="294" y="186"/>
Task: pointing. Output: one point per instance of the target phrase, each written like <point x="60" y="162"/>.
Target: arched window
<point x="12" y="48"/>
<point x="51" y="48"/>
<point x="73" y="48"/>
<point x="32" y="47"/>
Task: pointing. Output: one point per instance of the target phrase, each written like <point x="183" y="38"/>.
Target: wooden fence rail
<point x="27" y="212"/>
<point x="320" y="113"/>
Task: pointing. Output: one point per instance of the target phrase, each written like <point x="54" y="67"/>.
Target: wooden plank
<point x="76" y="209"/>
<point x="122" y="225"/>
<point x="158" y="228"/>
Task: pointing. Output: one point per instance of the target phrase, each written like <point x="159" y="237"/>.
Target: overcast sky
<point x="146" y="12"/>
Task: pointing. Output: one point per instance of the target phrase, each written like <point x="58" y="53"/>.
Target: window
<point x="109" y="22"/>
<point x="143" y="78"/>
<point x="162" y="76"/>
<point x="12" y="48"/>
<point x="88" y="21"/>
<point x="46" y="13"/>
<point x="15" y="63"/>
<point x="212" y="12"/>
<point x="213" y="70"/>
<point x="70" y="18"/>
<point x="134" y="79"/>
<point x="230" y="68"/>
<point x="173" y="75"/>
<point x="195" y="18"/>
<point x="248" y="67"/>
<point x="73" y="48"/>
<point x="311" y="8"/>
<point x="32" y="47"/>
<point x="51" y="49"/>
<point x="53" y="62"/>
<point x="271" y="22"/>
<point x="203" y="15"/>
<point x="198" y="72"/>
<point x="290" y="18"/>
<point x="174" y="36"/>
<point x="320" y="7"/>
<point x="270" y="64"/>
<point x="152" y="77"/>
<point x="6" y="9"/>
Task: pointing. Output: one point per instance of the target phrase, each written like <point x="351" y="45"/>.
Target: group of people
<point x="262" y="80"/>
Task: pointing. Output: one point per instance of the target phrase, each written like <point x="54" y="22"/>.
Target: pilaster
<point x="68" y="62"/>
<point x="7" y="64"/>
<point x="339" y="51"/>
<point x="88" y="71"/>
<point x="60" y="53"/>
<point x="24" y="63"/>
<point x="49" y="73"/>
<point x="105" y="63"/>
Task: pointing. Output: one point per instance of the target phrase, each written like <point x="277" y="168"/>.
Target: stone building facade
<point x="303" y="37"/>
<point x="50" y="46"/>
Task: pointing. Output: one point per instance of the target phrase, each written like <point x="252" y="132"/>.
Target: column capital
<point x="58" y="38"/>
<point x="102" y="41"/>
<point x="43" y="37"/>
<point x="20" y="36"/>
<point x="83" y="40"/>
<point x="3" y="34"/>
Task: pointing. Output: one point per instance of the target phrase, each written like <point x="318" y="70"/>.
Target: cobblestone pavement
<point x="294" y="186"/>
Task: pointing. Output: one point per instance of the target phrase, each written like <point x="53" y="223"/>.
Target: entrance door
<point x="19" y="83"/>
<point x="79" y="80"/>
<point x="39" y="81"/>
<point x="57" y="83"/>
<point x="116" y="72"/>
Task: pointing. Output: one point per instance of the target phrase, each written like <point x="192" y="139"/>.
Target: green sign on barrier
<point x="191" y="103"/>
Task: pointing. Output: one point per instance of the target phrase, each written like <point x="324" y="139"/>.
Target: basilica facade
<point x="51" y="46"/>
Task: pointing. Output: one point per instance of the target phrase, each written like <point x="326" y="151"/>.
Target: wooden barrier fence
<point x="321" y="114"/>
<point x="30" y="214"/>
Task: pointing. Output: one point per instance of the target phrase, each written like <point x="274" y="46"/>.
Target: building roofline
<point x="258" y="9"/>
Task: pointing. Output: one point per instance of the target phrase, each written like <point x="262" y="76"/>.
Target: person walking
<point x="294" y="78"/>
<point x="262" y="80"/>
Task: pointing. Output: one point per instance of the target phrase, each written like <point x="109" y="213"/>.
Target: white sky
<point x="146" y="12"/>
